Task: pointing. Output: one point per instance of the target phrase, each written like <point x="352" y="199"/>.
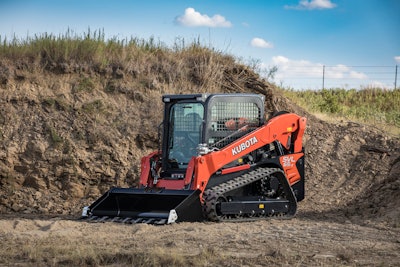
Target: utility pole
<point x="395" y="79"/>
<point x="323" y="77"/>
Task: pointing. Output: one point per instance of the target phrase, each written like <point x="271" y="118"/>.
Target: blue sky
<point x="297" y="36"/>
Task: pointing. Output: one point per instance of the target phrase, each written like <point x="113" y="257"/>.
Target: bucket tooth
<point x="127" y="220"/>
<point x="103" y="219"/>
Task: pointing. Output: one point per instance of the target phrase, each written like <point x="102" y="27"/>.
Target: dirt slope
<point x="67" y="135"/>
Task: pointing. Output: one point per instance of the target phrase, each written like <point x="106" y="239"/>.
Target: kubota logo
<point x="243" y="146"/>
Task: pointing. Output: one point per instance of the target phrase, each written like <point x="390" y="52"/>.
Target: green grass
<point x="85" y="84"/>
<point x="56" y="139"/>
<point x="375" y="106"/>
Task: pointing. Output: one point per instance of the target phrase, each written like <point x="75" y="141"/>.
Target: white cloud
<point x="397" y="58"/>
<point x="336" y="72"/>
<point x="300" y="68"/>
<point x="306" y="74"/>
<point x="357" y="75"/>
<point x="375" y="84"/>
<point x="192" y="18"/>
<point x="261" y="43"/>
<point x="304" y="68"/>
<point x="280" y="60"/>
<point x="313" y="4"/>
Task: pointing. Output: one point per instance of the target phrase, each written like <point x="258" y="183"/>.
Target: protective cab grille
<point x="231" y="120"/>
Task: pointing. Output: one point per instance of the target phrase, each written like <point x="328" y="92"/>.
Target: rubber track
<point x="211" y="196"/>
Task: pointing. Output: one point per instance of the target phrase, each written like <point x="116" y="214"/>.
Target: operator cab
<point x="215" y="120"/>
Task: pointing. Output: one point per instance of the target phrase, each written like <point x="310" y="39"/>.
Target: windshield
<point x="184" y="133"/>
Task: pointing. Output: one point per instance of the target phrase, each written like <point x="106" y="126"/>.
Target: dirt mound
<point x="68" y="134"/>
<point x="353" y="173"/>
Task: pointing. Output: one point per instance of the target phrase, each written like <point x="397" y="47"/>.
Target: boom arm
<point x="281" y="128"/>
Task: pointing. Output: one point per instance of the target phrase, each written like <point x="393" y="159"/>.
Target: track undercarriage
<point x="226" y="202"/>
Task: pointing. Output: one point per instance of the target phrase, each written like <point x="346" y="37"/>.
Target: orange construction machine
<point x="219" y="160"/>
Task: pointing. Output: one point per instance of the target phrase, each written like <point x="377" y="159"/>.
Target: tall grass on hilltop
<point x="372" y="105"/>
<point x="90" y="47"/>
<point x="182" y="65"/>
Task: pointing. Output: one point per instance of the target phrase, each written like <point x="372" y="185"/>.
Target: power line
<point x="338" y="76"/>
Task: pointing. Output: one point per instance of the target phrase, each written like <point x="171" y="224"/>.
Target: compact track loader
<point x="218" y="160"/>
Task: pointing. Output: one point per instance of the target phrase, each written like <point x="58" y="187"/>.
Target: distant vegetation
<point x="150" y="57"/>
<point x="374" y="106"/>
